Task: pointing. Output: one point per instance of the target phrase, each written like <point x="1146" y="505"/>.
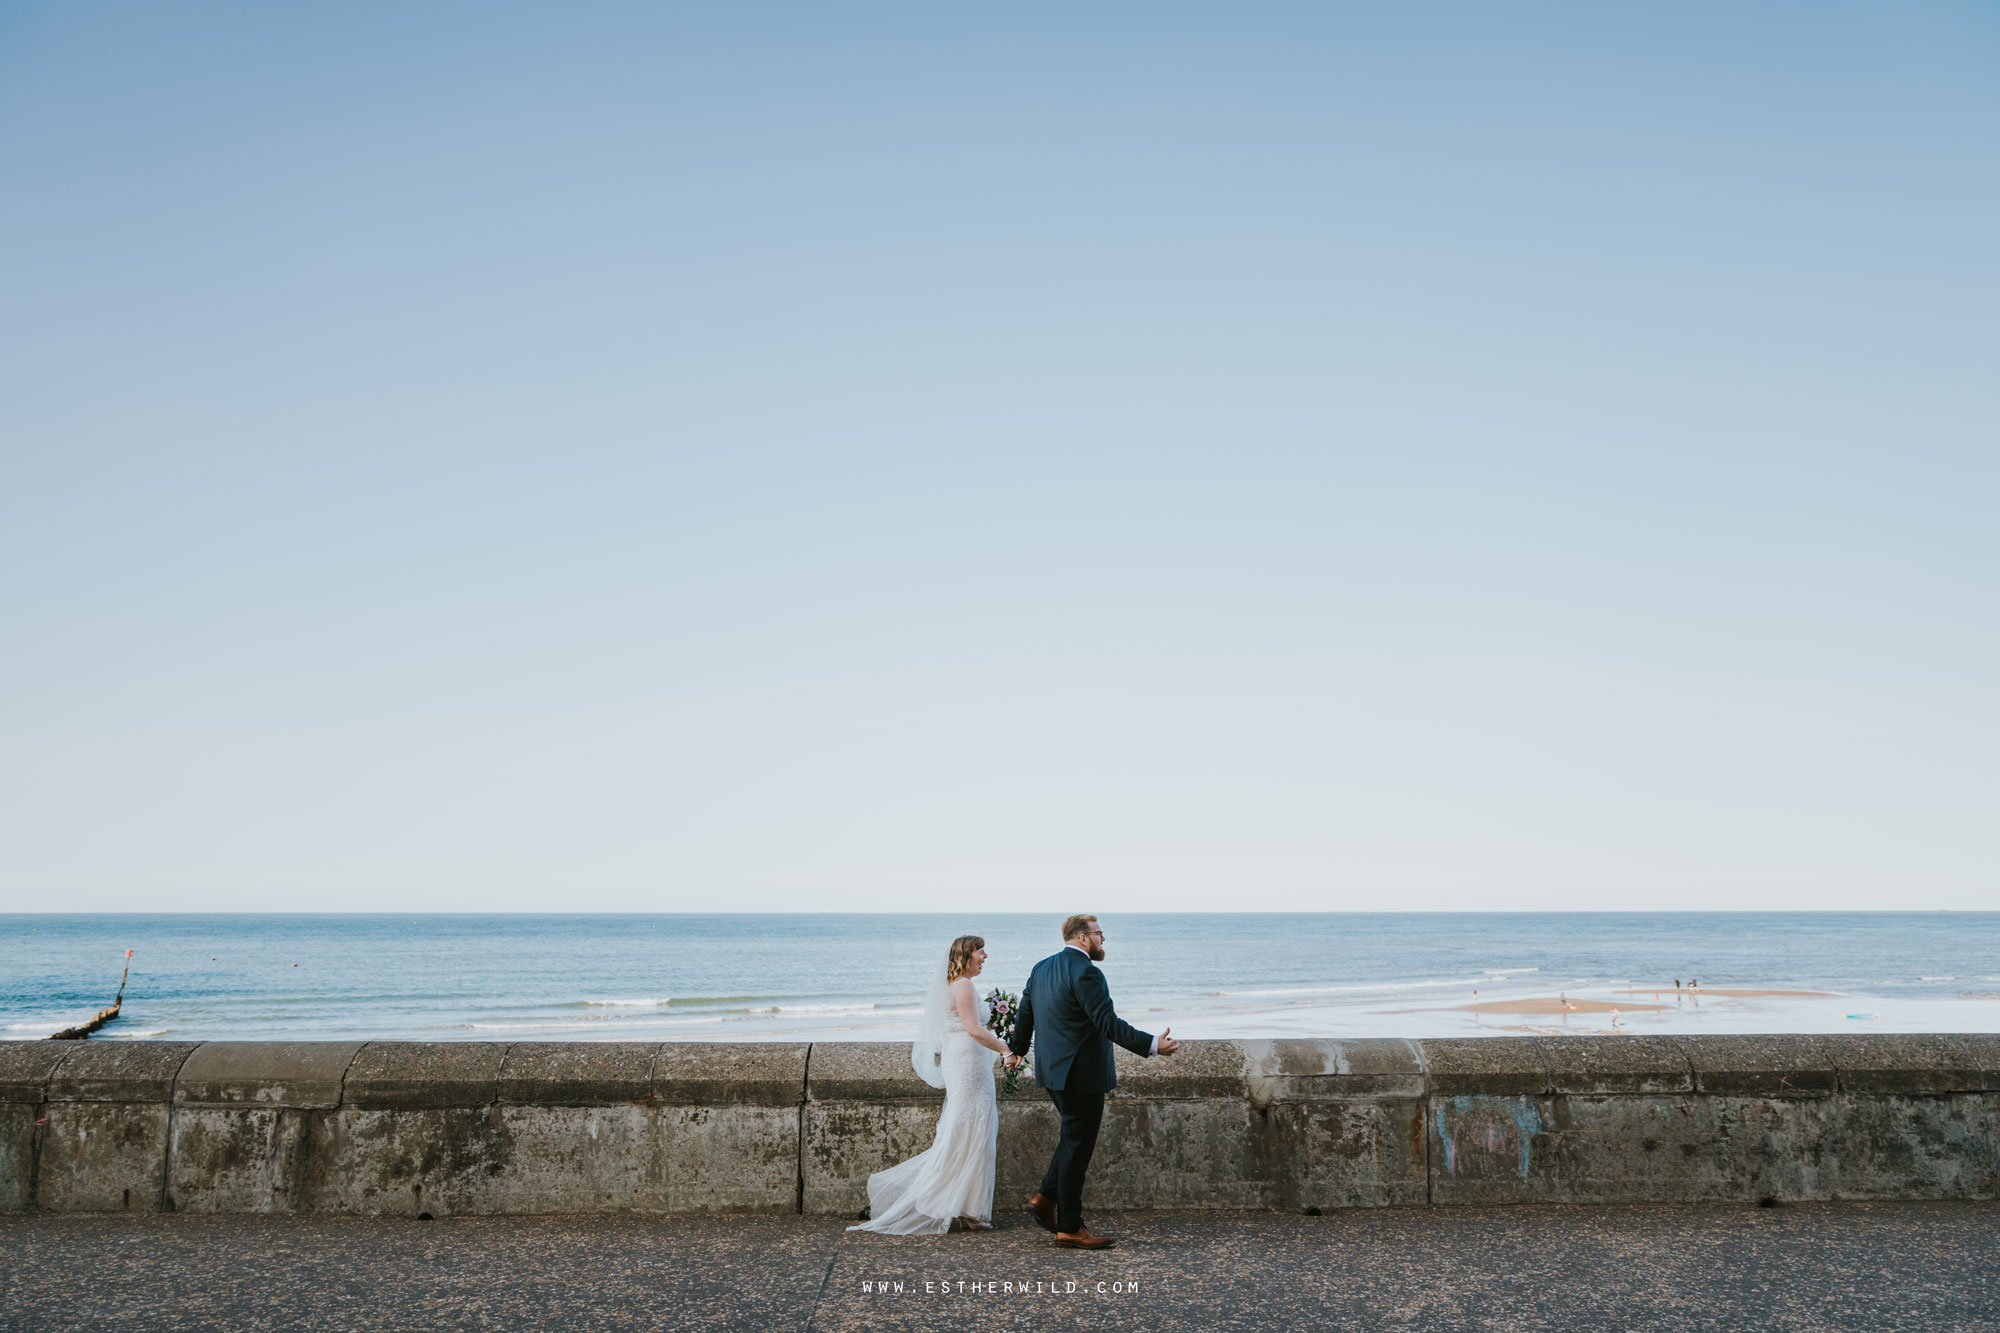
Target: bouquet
<point x="1002" y="1006"/>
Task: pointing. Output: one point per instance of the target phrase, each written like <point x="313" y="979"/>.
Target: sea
<point x="843" y="976"/>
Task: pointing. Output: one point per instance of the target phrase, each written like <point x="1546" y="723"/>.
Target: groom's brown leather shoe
<point x="1043" y="1210"/>
<point x="1082" y="1239"/>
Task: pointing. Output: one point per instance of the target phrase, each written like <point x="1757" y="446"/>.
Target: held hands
<point x="1012" y="1061"/>
<point x="1167" y="1044"/>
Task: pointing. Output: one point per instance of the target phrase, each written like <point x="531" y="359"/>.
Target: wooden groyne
<point x="82" y="1030"/>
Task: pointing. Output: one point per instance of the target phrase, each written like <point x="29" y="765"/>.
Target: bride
<point x="953" y="1178"/>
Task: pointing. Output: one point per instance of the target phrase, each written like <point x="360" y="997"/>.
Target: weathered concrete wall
<point x="478" y="1127"/>
<point x="250" y="1124"/>
<point x="25" y="1069"/>
<point x="529" y="1127"/>
<point x="103" y="1144"/>
<point x="1713" y="1118"/>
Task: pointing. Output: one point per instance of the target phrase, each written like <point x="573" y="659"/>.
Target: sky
<point x="1122" y="457"/>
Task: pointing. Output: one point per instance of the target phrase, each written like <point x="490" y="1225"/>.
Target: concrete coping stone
<point x="301" y="1074"/>
<point x="1984" y="1048"/>
<point x="1896" y="1062"/>
<point x="874" y="1071"/>
<point x="1493" y="1066"/>
<point x="1616" y="1063"/>
<point x="25" y="1067"/>
<point x="119" y="1071"/>
<point x="1319" y="1069"/>
<point x="1782" y="1065"/>
<point x="459" y="1074"/>
<point x="577" y="1073"/>
<point x="745" y="1073"/>
<point x="865" y="1071"/>
<point x="414" y="1075"/>
<point x="1198" y="1069"/>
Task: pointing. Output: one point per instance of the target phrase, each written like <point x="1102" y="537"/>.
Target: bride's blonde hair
<point x="960" y="957"/>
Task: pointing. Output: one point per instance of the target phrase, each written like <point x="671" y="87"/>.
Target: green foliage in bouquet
<point x="1001" y="1010"/>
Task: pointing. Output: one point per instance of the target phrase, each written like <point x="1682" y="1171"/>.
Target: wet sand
<point x="1723" y="990"/>
<point x="1549" y="1004"/>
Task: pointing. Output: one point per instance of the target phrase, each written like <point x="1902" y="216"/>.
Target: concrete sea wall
<point x="530" y="1127"/>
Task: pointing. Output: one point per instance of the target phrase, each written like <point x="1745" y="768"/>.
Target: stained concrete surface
<point x="1931" y="1266"/>
<point x="562" y="1128"/>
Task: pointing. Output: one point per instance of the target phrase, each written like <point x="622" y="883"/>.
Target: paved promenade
<point x="1906" y="1266"/>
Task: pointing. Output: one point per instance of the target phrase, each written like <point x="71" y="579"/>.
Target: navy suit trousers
<point x="1082" y="1113"/>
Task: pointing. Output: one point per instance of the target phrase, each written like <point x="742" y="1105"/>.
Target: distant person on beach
<point x="952" y="1180"/>
<point x="1067" y="998"/>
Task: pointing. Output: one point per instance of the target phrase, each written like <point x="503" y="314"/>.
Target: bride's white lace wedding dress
<point x="954" y="1176"/>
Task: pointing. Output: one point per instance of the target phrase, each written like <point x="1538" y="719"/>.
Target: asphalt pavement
<point x="1851" y="1266"/>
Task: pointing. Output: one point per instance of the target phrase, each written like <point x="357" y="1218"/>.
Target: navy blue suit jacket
<point x="1066" y="1011"/>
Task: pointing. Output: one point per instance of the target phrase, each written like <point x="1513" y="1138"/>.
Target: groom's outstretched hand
<point x="1167" y="1044"/>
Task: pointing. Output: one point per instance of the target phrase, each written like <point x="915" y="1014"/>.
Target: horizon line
<point x="1267" y="911"/>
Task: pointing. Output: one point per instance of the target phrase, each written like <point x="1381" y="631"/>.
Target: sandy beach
<point x="1722" y="990"/>
<point x="1550" y="1004"/>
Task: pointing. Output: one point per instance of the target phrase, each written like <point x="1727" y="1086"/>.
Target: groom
<point x="1066" y="994"/>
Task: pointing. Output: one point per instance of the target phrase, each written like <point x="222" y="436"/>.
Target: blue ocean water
<point x="833" y="975"/>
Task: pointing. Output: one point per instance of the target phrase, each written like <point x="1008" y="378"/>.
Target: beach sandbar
<point x="1723" y="990"/>
<point x="1551" y="1005"/>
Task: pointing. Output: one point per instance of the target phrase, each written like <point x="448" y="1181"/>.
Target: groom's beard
<point x="1096" y="952"/>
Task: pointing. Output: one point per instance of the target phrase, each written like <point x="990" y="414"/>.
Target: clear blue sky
<point x="1193" y="457"/>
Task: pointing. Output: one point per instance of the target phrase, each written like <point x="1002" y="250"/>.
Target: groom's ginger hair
<point x="1077" y="925"/>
